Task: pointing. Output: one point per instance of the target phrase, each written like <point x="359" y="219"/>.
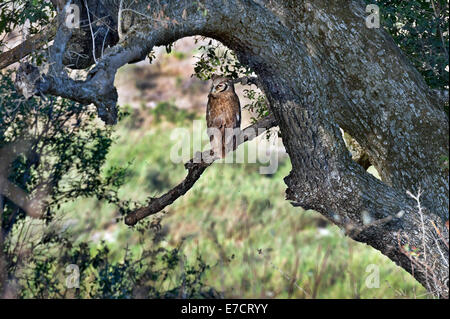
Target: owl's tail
<point x="218" y="145"/>
<point x="222" y="147"/>
<point x="229" y="143"/>
<point x="221" y="144"/>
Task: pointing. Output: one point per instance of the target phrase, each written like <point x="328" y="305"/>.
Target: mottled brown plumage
<point x="223" y="111"/>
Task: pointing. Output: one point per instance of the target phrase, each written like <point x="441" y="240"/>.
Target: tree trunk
<point x="321" y="68"/>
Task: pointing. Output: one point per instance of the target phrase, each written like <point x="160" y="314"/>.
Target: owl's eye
<point x="221" y="87"/>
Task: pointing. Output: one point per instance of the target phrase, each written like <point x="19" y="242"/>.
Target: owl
<point x="223" y="114"/>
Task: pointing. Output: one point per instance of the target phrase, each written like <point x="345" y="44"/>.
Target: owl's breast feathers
<point x="223" y="110"/>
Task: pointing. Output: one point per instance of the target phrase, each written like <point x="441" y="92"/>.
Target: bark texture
<point x="321" y="69"/>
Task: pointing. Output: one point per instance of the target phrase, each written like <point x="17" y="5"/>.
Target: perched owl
<point x="223" y="112"/>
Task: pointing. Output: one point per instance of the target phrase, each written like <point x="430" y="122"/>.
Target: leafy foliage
<point x="216" y="59"/>
<point x="14" y="14"/>
<point x="421" y="30"/>
<point x="153" y="273"/>
<point x="66" y="149"/>
<point x="67" y="146"/>
<point x="258" y="103"/>
<point x="219" y="60"/>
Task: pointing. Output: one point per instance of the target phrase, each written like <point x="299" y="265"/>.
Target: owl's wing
<point x="208" y="113"/>
<point x="215" y="120"/>
<point x="238" y="114"/>
<point x="233" y="120"/>
<point x="234" y="109"/>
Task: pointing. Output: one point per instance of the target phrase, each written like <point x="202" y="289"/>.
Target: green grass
<point x="238" y="221"/>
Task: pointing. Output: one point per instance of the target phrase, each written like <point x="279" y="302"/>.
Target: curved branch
<point x="196" y="166"/>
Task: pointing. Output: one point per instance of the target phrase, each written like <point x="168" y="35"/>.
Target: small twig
<point x="104" y="39"/>
<point x="141" y="14"/>
<point x="439" y="233"/>
<point x="419" y="207"/>
<point x="119" y="21"/>
<point x="445" y="260"/>
<point x="423" y="267"/>
<point x="92" y="33"/>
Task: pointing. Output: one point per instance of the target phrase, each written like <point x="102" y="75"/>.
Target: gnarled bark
<point x="321" y="68"/>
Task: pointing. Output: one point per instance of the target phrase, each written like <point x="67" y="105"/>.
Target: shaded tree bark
<point x="321" y="69"/>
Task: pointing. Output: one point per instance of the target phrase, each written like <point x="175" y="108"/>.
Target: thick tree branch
<point x="247" y="80"/>
<point x="98" y="88"/>
<point x="33" y="43"/>
<point x="196" y="166"/>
